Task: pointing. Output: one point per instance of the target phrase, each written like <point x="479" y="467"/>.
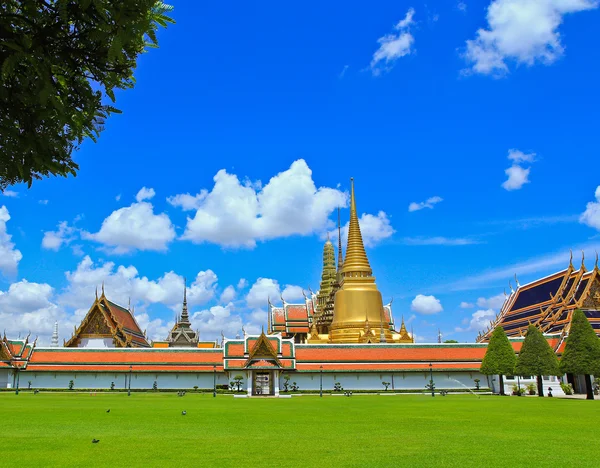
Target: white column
<point x="276" y="383"/>
<point x="249" y="382"/>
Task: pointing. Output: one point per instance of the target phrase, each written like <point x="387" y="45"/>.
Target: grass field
<point x="145" y="429"/>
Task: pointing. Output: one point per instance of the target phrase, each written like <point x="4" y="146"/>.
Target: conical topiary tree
<point x="582" y="351"/>
<point x="500" y="358"/>
<point x="536" y="358"/>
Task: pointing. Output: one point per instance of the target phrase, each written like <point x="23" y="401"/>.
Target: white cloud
<point x="10" y="194"/>
<point x="188" y="202"/>
<point x="227" y="295"/>
<point x="238" y="214"/>
<point x="591" y="215"/>
<point x="494" y="302"/>
<point x="394" y="45"/>
<point x="214" y="320"/>
<point x="265" y="288"/>
<point x="43" y="202"/>
<point x="9" y="255"/>
<point x="135" y="227"/>
<point x="439" y="241"/>
<point x="122" y="283"/>
<point x="242" y="283"/>
<point x="118" y="197"/>
<point x="427" y="305"/>
<point x="462" y="6"/>
<point x="520" y="31"/>
<point x="54" y="240"/>
<point x="343" y="72"/>
<point x="429" y="203"/>
<point x="517" y="174"/>
<point x="373" y="229"/>
<point x="480" y="320"/>
<point x="27" y="307"/>
<point x="145" y="194"/>
<point x="466" y="305"/>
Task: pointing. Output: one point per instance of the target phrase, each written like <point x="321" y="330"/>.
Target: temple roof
<point x="548" y="303"/>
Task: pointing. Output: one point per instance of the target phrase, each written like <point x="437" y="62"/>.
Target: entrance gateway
<point x="262" y="383"/>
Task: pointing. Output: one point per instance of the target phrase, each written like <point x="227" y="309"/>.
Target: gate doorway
<point x="263" y="384"/>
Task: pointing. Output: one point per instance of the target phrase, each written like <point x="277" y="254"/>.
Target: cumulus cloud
<point x="242" y="283"/>
<point x="214" y="320"/>
<point x="10" y="194"/>
<point x="236" y="214"/>
<point x="394" y="45"/>
<point x="462" y="6"/>
<point x="228" y="295"/>
<point x="9" y="255"/>
<point x="54" y="240"/>
<point x="494" y="302"/>
<point x="429" y="203"/>
<point x="466" y="305"/>
<point x="373" y="229"/>
<point x="480" y="320"/>
<point x="591" y="215"/>
<point x="426" y="305"/>
<point x="522" y="32"/>
<point x="135" y="227"/>
<point x="265" y="288"/>
<point x="517" y="174"/>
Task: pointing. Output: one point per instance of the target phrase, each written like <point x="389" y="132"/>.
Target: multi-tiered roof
<point x="548" y="303"/>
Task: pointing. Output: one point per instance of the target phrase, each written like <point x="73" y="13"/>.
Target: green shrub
<point x="531" y="388"/>
<point x="567" y="388"/>
<point x="71" y="384"/>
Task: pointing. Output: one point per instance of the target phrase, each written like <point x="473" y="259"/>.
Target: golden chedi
<point x="358" y="309"/>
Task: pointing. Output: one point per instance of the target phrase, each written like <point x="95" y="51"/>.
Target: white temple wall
<point x="5" y="378"/>
<point x="305" y="381"/>
<point x="372" y="381"/>
<point x="141" y="381"/>
<point x="97" y="343"/>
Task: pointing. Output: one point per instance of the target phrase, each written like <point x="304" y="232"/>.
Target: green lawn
<point x="148" y="429"/>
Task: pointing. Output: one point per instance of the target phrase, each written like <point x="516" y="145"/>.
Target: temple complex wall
<point x="5" y="377"/>
<point x="372" y="380"/>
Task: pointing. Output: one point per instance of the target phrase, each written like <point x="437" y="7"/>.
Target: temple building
<point x="107" y="325"/>
<point x="348" y="307"/>
<point x="342" y="336"/>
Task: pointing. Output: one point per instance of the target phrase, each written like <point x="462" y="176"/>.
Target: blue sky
<point x="246" y="125"/>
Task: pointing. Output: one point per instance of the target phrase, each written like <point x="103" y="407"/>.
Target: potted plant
<point x="476" y="383"/>
<point x="531" y="388"/>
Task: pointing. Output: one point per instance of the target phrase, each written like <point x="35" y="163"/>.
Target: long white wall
<point x="305" y="381"/>
<point x="5" y="378"/>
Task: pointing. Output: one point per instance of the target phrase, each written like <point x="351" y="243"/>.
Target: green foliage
<point x="531" y="388"/>
<point x="500" y="357"/>
<point x="582" y="349"/>
<point x="286" y="383"/>
<point x="238" y="380"/>
<point x="517" y="391"/>
<point x="536" y="356"/>
<point x="386" y="385"/>
<point x="71" y="384"/>
<point x="567" y="388"/>
<point x="430" y="386"/>
<point x="195" y="388"/>
<point x="337" y="387"/>
<point x="60" y="64"/>
<point x="155" y="385"/>
<point x="112" y="385"/>
<point x="450" y="341"/>
<point x="477" y="383"/>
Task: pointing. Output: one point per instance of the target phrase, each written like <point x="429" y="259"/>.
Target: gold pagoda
<point x="349" y="305"/>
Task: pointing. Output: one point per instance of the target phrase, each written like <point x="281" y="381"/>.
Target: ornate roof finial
<point x="340" y="262"/>
<point x="129" y="306"/>
<point x="505" y="292"/>
<point x="243" y="331"/>
<point x="511" y="288"/>
<point x="356" y="262"/>
<point x="596" y="264"/>
<point x="517" y="281"/>
<point x="96" y="292"/>
<point x="185" y="318"/>
<point x="582" y="259"/>
<point x="102" y="288"/>
<point x="571" y="258"/>
<point x="54" y="342"/>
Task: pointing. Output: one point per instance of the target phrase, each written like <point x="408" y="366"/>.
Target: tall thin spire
<point x="356" y="262"/>
<point x="340" y="262"/>
<point x="54" y="343"/>
<point x="185" y="319"/>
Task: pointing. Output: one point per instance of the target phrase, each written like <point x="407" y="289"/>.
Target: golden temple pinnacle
<point x="356" y="262"/>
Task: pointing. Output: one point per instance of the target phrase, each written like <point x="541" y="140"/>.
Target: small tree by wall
<point x="536" y="358"/>
<point x="286" y="383"/>
<point x="386" y="385"/>
<point x="582" y="351"/>
<point x="500" y="358"/>
<point x="71" y="384"/>
<point x="238" y="380"/>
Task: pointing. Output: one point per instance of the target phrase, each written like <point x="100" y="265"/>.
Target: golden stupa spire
<point x="356" y="263"/>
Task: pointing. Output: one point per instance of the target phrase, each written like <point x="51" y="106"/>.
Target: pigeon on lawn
<point x="95" y="441"/>
<point x="108" y="410"/>
<point x="183" y="413"/>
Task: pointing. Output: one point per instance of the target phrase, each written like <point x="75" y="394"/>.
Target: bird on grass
<point x="95" y="441"/>
<point x="183" y="413"/>
<point x="108" y="410"/>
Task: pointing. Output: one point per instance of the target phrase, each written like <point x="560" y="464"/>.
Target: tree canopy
<point x="582" y="350"/>
<point x="60" y="64"/>
<point x="500" y="357"/>
<point x="536" y="356"/>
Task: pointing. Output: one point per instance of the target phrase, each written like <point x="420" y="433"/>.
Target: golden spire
<point x="356" y="262"/>
<point x="340" y="262"/>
